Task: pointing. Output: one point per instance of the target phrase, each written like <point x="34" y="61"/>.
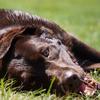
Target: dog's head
<point x="58" y="61"/>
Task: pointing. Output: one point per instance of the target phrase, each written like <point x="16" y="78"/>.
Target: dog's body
<point x="34" y="50"/>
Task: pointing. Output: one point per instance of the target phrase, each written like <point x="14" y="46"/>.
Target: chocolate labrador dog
<point x="33" y="50"/>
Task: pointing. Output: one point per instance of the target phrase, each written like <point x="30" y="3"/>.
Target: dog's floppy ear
<point x="86" y="56"/>
<point x="6" y="37"/>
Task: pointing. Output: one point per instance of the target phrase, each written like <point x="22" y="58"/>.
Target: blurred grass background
<point x="81" y="17"/>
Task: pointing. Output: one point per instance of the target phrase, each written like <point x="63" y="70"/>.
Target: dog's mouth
<point x="88" y="86"/>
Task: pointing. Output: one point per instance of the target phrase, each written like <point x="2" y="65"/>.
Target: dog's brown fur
<point x="16" y="28"/>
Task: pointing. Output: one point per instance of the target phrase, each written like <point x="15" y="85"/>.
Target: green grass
<point x="80" y="17"/>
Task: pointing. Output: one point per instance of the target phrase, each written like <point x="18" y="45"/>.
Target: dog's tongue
<point x="98" y="86"/>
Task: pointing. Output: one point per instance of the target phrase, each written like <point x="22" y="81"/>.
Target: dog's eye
<point x="45" y="52"/>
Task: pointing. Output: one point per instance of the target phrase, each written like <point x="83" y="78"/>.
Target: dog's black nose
<point x="73" y="82"/>
<point x="73" y="78"/>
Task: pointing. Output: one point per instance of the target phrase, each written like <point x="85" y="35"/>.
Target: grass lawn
<point x="81" y="17"/>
